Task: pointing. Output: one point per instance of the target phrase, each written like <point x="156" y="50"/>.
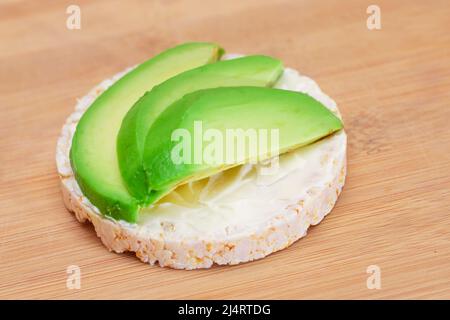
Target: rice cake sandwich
<point x="196" y="157"/>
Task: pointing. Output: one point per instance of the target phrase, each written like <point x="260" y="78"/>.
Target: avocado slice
<point x="247" y="71"/>
<point x="93" y="153"/>
<point x="299" y="118"/>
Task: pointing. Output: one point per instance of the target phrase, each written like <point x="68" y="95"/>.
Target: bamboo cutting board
<point x="392" y="86"/>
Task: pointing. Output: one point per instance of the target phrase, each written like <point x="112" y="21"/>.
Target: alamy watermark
<point x="216" y="147"/>
<point x="73" y="21"/>
<point x="374" y="20"/>
<point x="73" y="280"/>
<point x="374" y="280"/>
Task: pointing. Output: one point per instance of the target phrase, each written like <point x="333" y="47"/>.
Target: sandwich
<point x="196" y="157"/>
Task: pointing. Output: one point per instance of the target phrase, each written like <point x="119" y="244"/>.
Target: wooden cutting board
<point x="392" y="86"/>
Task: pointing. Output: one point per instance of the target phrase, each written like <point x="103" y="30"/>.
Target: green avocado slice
<point x="93" y="153"/>
<point x="247" y="71"/>
<point x="299" y="119"/>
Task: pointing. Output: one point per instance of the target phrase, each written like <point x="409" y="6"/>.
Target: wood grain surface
<point x="392" y="86"/>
